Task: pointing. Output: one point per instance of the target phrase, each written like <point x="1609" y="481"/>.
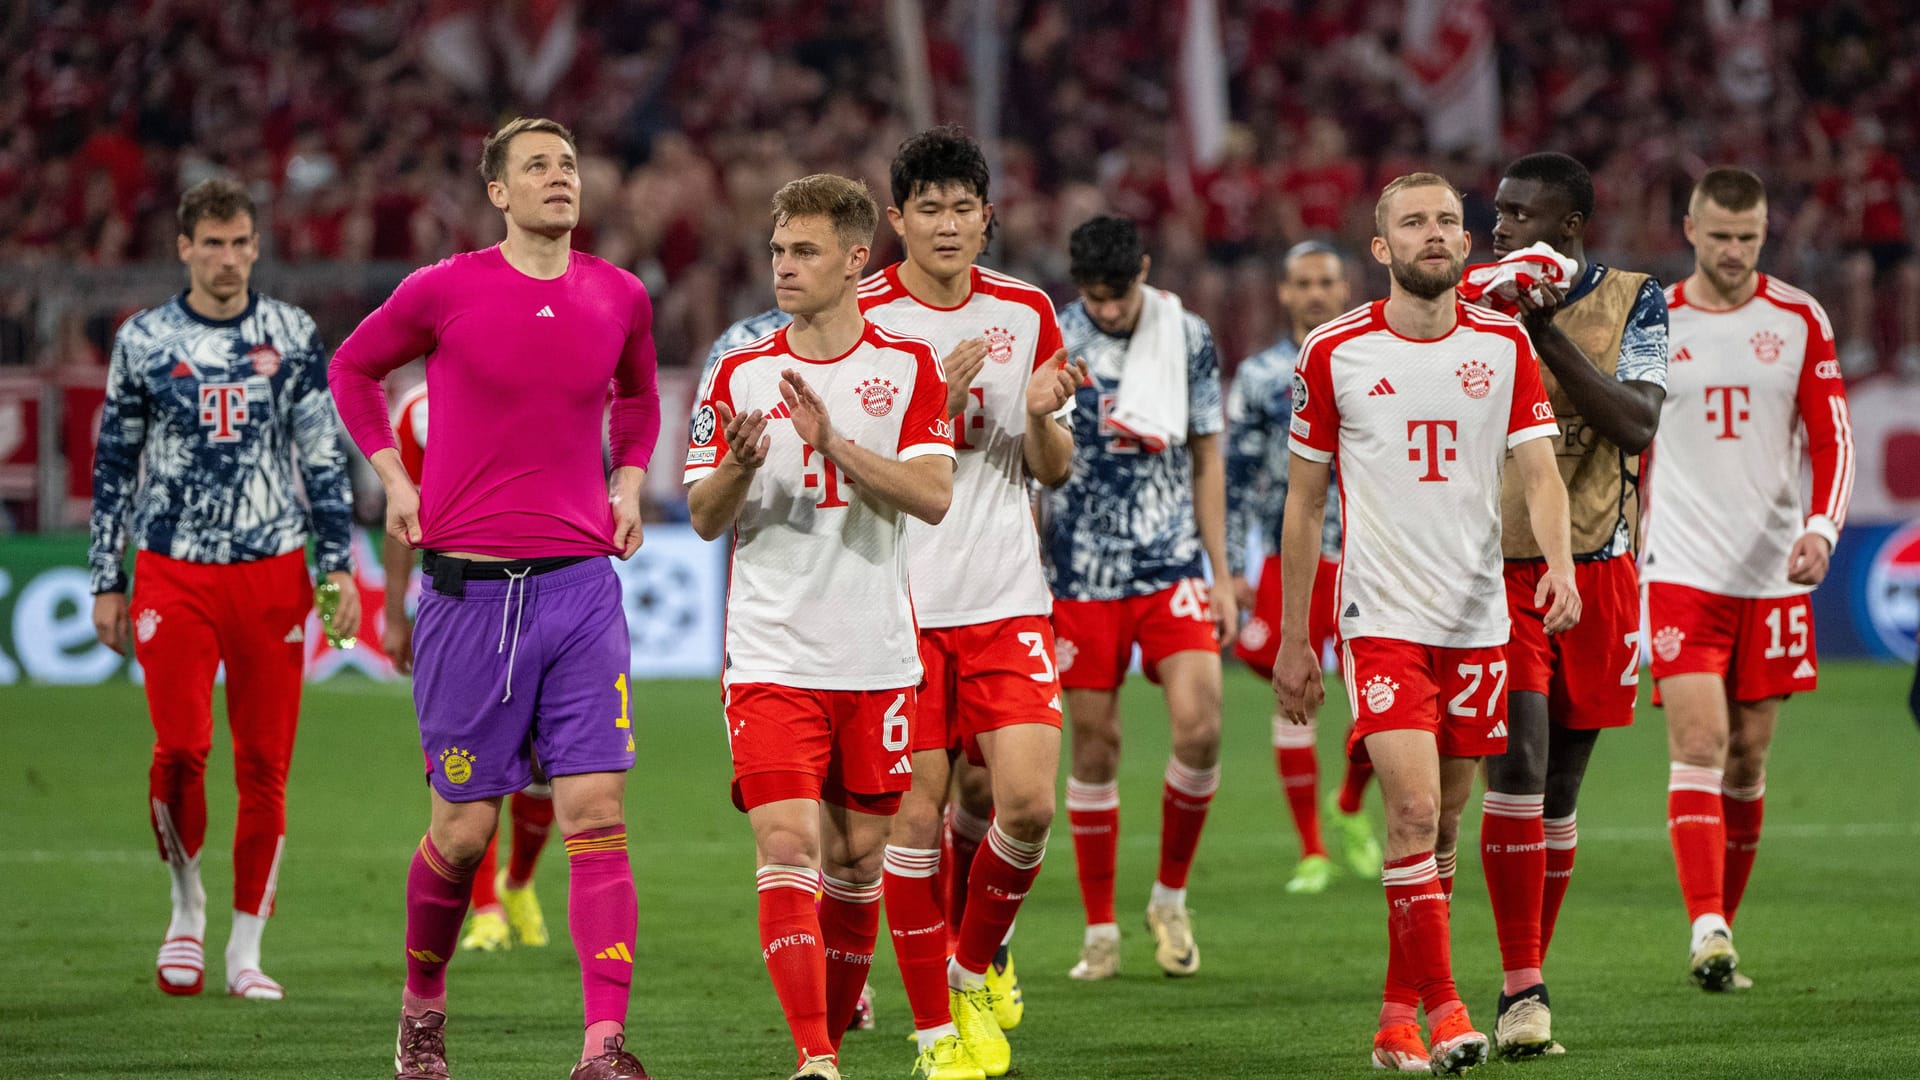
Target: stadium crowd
<point x="355" y="124"/>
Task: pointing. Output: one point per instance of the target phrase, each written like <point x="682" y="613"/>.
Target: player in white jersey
<point x="813" y="446"/>
<point x="1730" y="555"/>
<point x="979" y="597"/>
<point x="1420" y="397"/>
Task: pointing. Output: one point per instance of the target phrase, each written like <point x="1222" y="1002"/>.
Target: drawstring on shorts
<point x="518" y="610"/>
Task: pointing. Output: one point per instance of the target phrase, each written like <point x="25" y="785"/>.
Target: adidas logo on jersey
<point x="1804" y="671"/>
<point x="1682" y="356"/>
<point x="1381" y="389"/>
<point x="616" y="951"/>
<point x="296" y="635"/>
<point x="903" y="767"/>
<point x="1499" y="731"/>
<point x="544" y="313"/>
<point x="1352" y="612"/>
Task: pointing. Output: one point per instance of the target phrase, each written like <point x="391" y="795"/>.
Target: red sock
<point x="1743" y="808"/>
<point x="1513" y="854"/>
<point x="1354" y="785"/>
<point x="790" y="944"/>
<point x="1400" y="1000"/>
<point x="1093" y="812"/>
<point x="1299" y="770"/>
<point x="1183" y="811"/>
<point x="1002" y="874"/>
<point x="1563" y="840"/>
<point x="603" y="918"/>
<point x="963" y="836"/>
<point x="1699" y="836"/>
<point x="919" y="932"/>
<point x="532" y="822"/>
<point x="437" y="894"/>
<point x="1417" y="915"/>
<point x="484" y="895"/>
<point x="849" y="925"/>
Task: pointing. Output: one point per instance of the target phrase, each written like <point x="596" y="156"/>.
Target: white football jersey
<point x="817" y="596"/>
<point x="982" y="562"/>
<point x="1723" y="488"/>
<point x="1421" y="430"/>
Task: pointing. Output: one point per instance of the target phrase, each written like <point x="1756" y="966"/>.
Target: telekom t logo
<point x="827" y="480"/>
<point x="1429" y="448"/>
<point x="223" y="407"/>
<point x="1726" y="411"/>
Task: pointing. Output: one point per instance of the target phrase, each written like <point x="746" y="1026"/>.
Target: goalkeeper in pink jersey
<point x="522" y="643"/>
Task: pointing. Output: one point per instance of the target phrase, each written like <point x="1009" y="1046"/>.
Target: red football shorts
<point x="1260" y="637"/>
<point x="1458" y="694"/>
<point x="1095" y="638"/>
<point x="1763" y="648"/>
<point x="982" y="677"/>
<point x="1591" y="673"/>
<point x="847" y="747"/>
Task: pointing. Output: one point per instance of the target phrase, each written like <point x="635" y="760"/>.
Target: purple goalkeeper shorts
<point x="513" y="670"/>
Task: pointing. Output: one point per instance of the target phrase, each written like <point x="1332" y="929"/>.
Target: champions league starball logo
<point x="1893" y="591"/>
<point x="703" y="422"/>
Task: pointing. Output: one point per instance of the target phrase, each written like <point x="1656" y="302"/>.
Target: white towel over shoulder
<point x="1152" y="402"/>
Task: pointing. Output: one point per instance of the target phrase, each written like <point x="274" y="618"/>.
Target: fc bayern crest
<point x="1379" y="693"/>
<point x="703" y="426"/>
<point x="1766" y="346"/>
<point x="265" y="359"/>
<point x="999" y="344"/>
<point x="1476" y="379"/>
<point x="1666" y="643"/>
<point x="876" y="396"/>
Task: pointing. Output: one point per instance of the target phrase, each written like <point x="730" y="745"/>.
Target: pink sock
<point x="602" y="915"/>
<point x="437" y="893"/>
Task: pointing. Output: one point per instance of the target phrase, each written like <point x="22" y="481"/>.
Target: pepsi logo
<point x="1893" y="591"/>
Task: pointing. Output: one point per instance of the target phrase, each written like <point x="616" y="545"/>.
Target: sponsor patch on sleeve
<point x="1301" y="427"/>
<point x="702" y="455"/>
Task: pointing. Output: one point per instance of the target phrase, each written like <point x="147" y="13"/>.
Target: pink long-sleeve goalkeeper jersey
<point x="520" y="371"/>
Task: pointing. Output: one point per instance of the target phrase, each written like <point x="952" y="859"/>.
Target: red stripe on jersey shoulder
<point x="1786" y="297"/>
<point x="1487" y="321"/>
<point x="1335" y="332"/>
<point x="1676" y="296"/>
<point x="881" y="287"/>
<point x="881" y="337"/>
<point x="772" y="344"/>
<point x="1012" y="289"/>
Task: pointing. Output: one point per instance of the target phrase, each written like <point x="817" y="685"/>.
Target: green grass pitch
<point x="1289" y="985"/>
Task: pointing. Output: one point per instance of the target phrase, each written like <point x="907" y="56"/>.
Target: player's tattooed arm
<point x="1546" y="497"/>
<point x="1625" y="413"/>
<point x="1296" y="670"/>
<point x="715" y="499"/>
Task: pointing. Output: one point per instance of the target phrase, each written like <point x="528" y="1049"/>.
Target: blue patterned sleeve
<point x="116" y="469"/>
<point x="323" y="462"/>
<point x="1246" y="455"/>
<point x="1643" y="347"/>
<point x="1204" y="412"/>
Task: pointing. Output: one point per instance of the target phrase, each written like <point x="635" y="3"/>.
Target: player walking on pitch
<point x="522" y="644"/>
<point x="1313" y="289"/>
<point x="812" y="446"/>
<point x="209" y="399"/>
<point x="979" y="597"/>
<point x="1419" y="398"/>
<point x="1124" y="537"/>
<point x="1604" y="346"/>
<point x="1730" y="557"/>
